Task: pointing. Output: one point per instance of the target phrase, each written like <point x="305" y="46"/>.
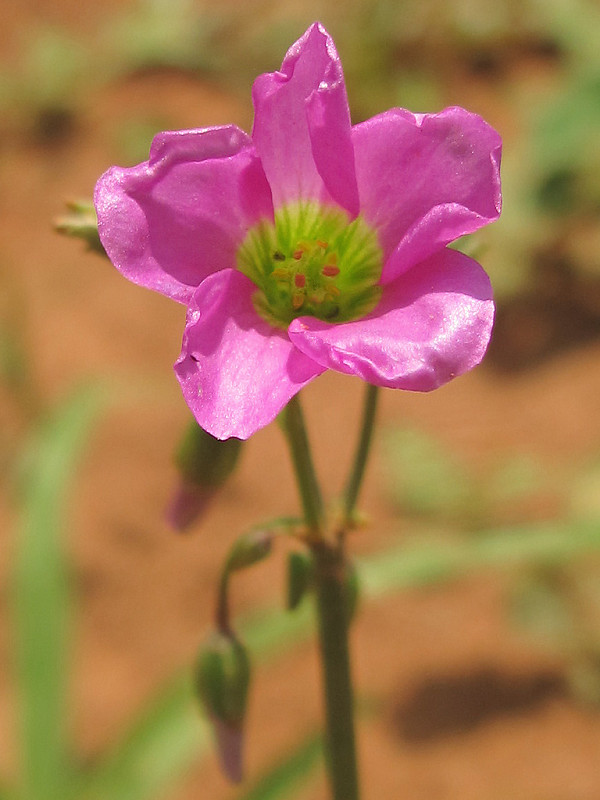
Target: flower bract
<point x="310" y="244"/>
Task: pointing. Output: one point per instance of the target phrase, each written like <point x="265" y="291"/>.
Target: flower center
<point x="312" y="262"/>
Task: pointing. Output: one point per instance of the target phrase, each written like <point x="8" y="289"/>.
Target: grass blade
<point x="41" y="598"/>
<point x="288" y="775"/>
<point x="165" y="741"/>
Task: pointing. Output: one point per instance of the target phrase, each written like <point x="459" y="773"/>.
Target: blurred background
<point x="477" y="649"/>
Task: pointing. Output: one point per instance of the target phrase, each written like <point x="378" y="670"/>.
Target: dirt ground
<point x="460" y="705"/>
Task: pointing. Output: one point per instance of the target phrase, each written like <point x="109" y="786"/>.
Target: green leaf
<point x="161" y="745"/>
<point x="42" y="599"/>
<point x="289" y="774"/>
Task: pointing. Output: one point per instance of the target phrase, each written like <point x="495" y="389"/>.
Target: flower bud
<point x="299" y="578"/>
<point x="221" y="680"/>
<point x="249" y="549"/>
<point x="204" y="464"/>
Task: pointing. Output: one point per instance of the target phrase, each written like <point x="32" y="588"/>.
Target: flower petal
<point x="168" y="223"/>
<point x="236" y="371"/>
<point x="426" y="179"/>
<point x="302" y="126"/>
<point x="432" y="324"/>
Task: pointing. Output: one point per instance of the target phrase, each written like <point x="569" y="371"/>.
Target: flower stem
<point x="333" y="619"/>
<point x="310" y="493"/>
<point x="362" y="451"/>
<point x="331" y="588"/>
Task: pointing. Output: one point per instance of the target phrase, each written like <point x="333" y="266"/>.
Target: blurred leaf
<point x="288" y="775"/>
<point x="170" y="33"/>
<point x="42" y="600"/>
<point x="167" y="738"/>
<point x="55" y="63"/>
<point x="423" y="477"/>
<point x="502" y="548"/>
<point x="538" y="605"/>
<point x="514" y="478"/>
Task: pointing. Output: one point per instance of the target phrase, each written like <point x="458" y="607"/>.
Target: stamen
<point x="297" y="300"/>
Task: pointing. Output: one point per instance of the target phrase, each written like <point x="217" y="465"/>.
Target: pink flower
<point x="311" y="244"/>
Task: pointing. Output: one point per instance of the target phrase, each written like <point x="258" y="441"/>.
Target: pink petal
<point x="433" y="323"/>
<point x="302" y="126"/>
<point x="426" y="179"/>
<point x="236" y="371"/>
<point x="168" y="223"/>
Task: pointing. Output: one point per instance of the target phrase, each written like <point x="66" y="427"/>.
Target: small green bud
<point x="299" y="578"/>
<point x="204" y="464"/>
<point x="204" y="460"/>
<point x="249" y="549"/>
<point x="221" y="680"/>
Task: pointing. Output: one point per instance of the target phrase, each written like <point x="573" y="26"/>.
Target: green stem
<point x="333" y="618"/>
<point x="330" y="579"/>
<point x="362" y="452"/>
<point x="310" y="493"/>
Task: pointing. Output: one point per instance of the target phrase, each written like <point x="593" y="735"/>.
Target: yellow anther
<point x="331" y="292"/>
<point x="297" y="300"/>
<point x="281" y="273"/>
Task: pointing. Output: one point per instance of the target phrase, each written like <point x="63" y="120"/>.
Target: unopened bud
<point x="204" y="464"/>
<point x="221" y="679"/>
<point x="249" y="549"/>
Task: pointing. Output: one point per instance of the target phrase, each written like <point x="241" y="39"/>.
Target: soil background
<point x="461" y="705"/>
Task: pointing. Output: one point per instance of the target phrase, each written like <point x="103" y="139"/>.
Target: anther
<point x="278" y="256"/>
<point x="323" y="245"/>
<point x="298" y="254"/>
<point x="300" y="280"/>
<point x="281" y="273"/>
<point x="297" y="300"/>
<point x="330" y="270"/>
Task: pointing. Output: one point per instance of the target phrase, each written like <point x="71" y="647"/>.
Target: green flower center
<point x="312" y="262"/>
